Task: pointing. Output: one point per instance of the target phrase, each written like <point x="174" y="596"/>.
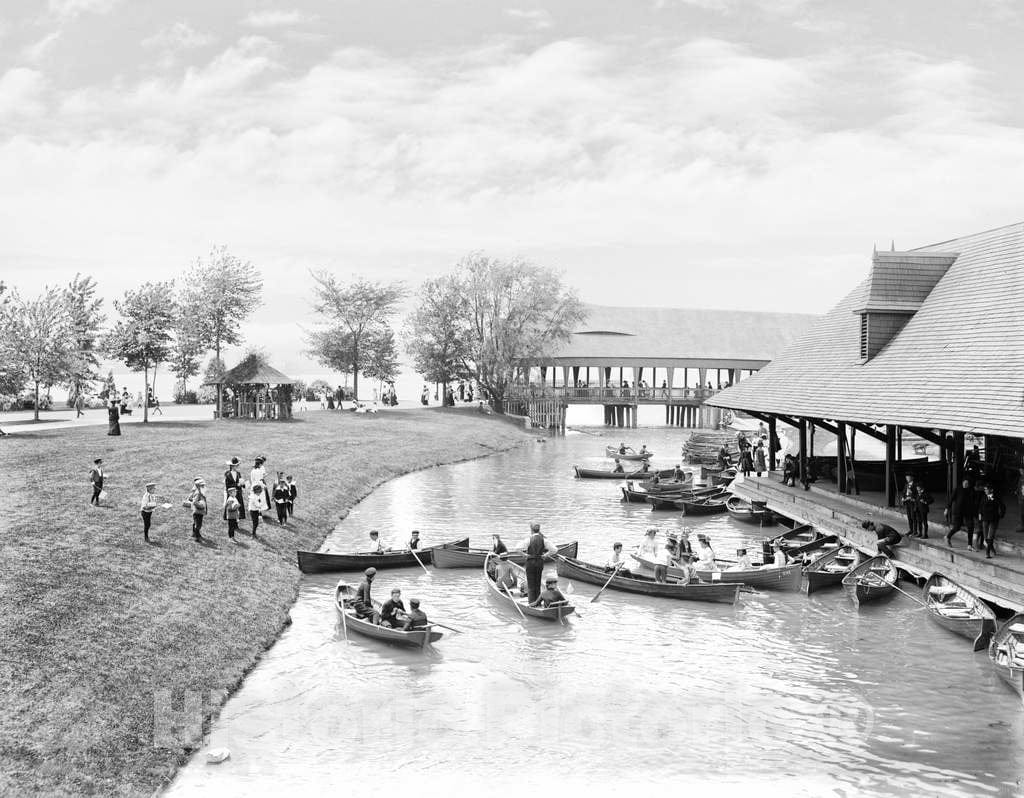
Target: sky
<point x="686" y="153"/>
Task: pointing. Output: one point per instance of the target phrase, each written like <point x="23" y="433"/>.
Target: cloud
<point x="36" y="51"/>
<point x="69" y="9"/>
<point x="536" y="18"/>
<point x="22" y="93"/>
<point x="179" y="36"/>
<point x="277" y="18"/>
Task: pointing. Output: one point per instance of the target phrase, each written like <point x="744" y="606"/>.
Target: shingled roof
<point x="253" y="371"/>
<point x="623" y="335"/>
<point x="957" y="364"/>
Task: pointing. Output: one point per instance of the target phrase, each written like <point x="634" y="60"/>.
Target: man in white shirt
<point x="376" y="544"/>
<point x="662" y="560"/>
<point x="617" y="560"/>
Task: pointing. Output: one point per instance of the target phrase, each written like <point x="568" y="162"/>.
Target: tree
<point x="212" y="375"/>
<point x="85" y="312"/>
<point x="12" y="379"/>
<point x="438" y="330"/>
<point x="222" y="291"/>
<point x="517" y="311"/>
<point x="360" y="310"/>
<point x="40" y="340"/>
<point x="188" y="346"/>
<point x="380" y="355"/>
<point x="141" y="338"/>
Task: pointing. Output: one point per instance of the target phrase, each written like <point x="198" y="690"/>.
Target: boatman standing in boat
<point x="662" y="560"/>
<point x="536" y="549"/>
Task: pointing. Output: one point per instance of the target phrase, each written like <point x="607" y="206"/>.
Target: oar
<point x="610" y="578"/>
<point x="414" y="554"/>
<point x="445" y="626"/>
<point x="905" y="593"/>
<point x="344" y="624"/>
<point x="514" y="602"/>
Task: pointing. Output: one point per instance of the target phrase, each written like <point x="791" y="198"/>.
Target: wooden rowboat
<point x="830" y="568"/>
<point x="687" y="492"/>
<point x="451" y="555"/>
<point x="954" y="607"/>
<point x="571" y="568"/>
<point x="514" y="598"/>
<point x="418" y="638"/>
<point x="1006" y="651"/>
<point x="676" y="501"/>
<point x="742" y="510"/>
<point x="631" y="454"/>
<point x="722" y="478"/>
<point x="320" y="562"/>
<point x="872" y="579"/>
<point x="796" y="541"/>
<point x="600" y="473"/>
<point x="708" y="505"/>
<point x="786" y="577"/>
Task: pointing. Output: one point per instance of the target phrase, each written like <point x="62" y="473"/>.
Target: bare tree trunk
<point x="216" y="349"/>
<point x="355" y="373"/>
<point x="145" y="394"/>
<point x="36" y="413"/>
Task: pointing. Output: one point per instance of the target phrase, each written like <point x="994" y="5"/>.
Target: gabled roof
<point x="614" y="334"/>
<point x="957" y="364"/>
<point x="253" y="371"/>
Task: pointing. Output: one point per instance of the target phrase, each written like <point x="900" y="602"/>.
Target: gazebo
<point x="259" y="391"/>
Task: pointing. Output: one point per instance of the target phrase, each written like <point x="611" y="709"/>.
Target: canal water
<point x="780" y="694"/>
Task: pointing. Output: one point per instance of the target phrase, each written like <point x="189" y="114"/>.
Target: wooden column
<point x="899" y="443"/>
<point x="957" y="465"/>
<point x="703" y="374"/>
<point x="890" y="464"/>
<point x="772" y="435"/>
<point x="803" y="448"/>
<point x="565" y="376"/>
<point x="842" y="475"/>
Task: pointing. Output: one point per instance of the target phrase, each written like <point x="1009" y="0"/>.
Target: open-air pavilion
<point x="257" y="391"/>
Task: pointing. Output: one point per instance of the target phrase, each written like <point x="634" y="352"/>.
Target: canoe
<point x="418" y="638"/>
<point x="830" y="568"/>
<point x="516" y="598"/>
<point x="1006" y="651"/>
<point x="600" y="473"/>
<point x="786" y="577"/>
<point x="954" y="607"/>
<point x="571" y="568"/>
<point x="612" y="451"/>
<point x="452" y="555"/>
<point x="320" y="562"/>
<point x="742" y="510"/>
<point x="872" y="579"/>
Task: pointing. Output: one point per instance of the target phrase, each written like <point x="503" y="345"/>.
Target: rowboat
<point x="830" y="568"/>
<point x="418" y="638"/>
<point x="452" y="555"/>
<point x="676" y="501"/>
<point x="515" y="597"/>
<point x="631" y="454"/>
<point x="872" y="579"/>
<point x="631" y="494"/>
<point x="1007" y="653"/>
<point x="600" y="473"/>
<point x="786" y="577"/>
<point x="668" y="485"/>
<point x="320" y="562"/>
<point x="742" y="510"/>
<point x="796" y="541"/>
<point x="956" y="608"/>
<point x="722" y="477"/>
<point x="707" y="505"/>
<point x="571" y="568"/>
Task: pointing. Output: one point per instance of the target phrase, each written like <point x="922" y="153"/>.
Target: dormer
<point x="899" y="284"/>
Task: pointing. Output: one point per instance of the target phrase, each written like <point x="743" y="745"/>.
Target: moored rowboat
<point x="707" y="505"/>
<point x="742" y="510"/>
<point x="600" y="473"/>
<point x="785" y="577"/>
<point x="414" y="637"/>
<point x="631" y="454"/>
<point x="319" y="562"/>
<point x="830" y="568"/>
<point x="954" y="607"/>
<point x="1006" y="651"/>
<point x="515" y="599"/>
<point x="571" y="568"/>
<point x="797" y="541"/>
<point x="872" y="579"/>
<point x="457" y="556"/>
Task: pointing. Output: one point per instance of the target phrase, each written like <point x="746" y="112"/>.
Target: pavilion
<point x="259" y="391"/>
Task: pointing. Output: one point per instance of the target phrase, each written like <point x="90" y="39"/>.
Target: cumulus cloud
<point x="21" y="93"/>
<point x="179" y="36"/>
<point x="68" y="9"/>
<point x="277" y="18"/>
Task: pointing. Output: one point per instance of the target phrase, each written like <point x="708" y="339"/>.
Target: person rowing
<point x="550" y="595"/>
<point x="742" y="563"/>
<point x="617" y="560"/>
<point x="618" y="469"/>
<point x="504" y="574"/>
<point x="414" y="541"/>
<point x="416" y="618"/>
<point x="623" y="449"/>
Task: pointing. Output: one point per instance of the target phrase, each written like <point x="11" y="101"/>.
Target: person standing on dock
<point x="909" y="500"/>
<point x="760" y="464"/>
<point x="960" y="512"/>
<point x="990" y="510"/>
<point x="536" y="550"/>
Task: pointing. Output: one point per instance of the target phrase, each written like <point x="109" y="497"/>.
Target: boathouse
<point x="920" y="362"/>
<point x="623" y="357"/>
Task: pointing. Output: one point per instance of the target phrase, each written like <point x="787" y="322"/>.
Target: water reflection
<point x="782" y="693"/>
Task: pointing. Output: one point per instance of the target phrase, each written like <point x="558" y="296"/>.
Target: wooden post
<point x="803" y="448"/>
<point x="890" y="465"/>
<point x="842" y="474"/>
<point x="899" y="443"/>
<point x="957" y="464"/>
<point x="772" y="435"/>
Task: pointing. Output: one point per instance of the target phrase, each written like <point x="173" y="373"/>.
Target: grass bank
<point x="96" y="624"/>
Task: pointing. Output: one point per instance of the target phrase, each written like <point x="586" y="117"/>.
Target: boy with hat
<point x="280" y="497"/>
<point x="149" y="503"/>
<point x="551" y="594"/>
<point x="414" y="541"/>
<point x="231" y="512"/>
<point x="363" y="602"/>
<point x="293" y="492"/>
<point x="197" y="501"/>
<point x="96" y="478"/>
<point x="233" y="479"/>
<point x="417" y="618"/>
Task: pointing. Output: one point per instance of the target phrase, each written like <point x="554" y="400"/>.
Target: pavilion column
<point x="576" y="375"/>
<point x="803" y="448"/>
<point x="565" y="376"/>
<point x="842" y="475"/>
<point x="772" y="437"/>
<point x="956" y="468"/>
<point x="669" y="376"/>
<point x="703" y="377"/>
<point x="899" y="443"/>
<point x="890" y="465"/>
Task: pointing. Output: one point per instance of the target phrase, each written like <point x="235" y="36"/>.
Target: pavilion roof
<point x="615" y="334"/>
<point x="253" y="371"/>
<point x="957" y="364"/>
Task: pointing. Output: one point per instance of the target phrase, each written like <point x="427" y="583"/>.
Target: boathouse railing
<point x="609" y="393"/>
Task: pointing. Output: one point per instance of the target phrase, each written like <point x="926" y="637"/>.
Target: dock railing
<point x="610" y="393"/>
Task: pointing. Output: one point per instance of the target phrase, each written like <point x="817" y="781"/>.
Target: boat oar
<point x="445" y="626"/>
<point x="414" y="554"/>
<point x="905" y="593"/>
<point x="514" y="602"/>
<point x="343" y="589"/>
<point x="610" y="578"/>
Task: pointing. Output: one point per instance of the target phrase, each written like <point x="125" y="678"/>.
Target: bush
<point x="186" y="398"/>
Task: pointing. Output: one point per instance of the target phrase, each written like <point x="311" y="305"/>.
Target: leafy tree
<point x="141" y="338"/>
<point x="40" y="336"/>
<point x="188" y="346"/>
<point x="438" y="330"/>
<point x="380" y="360"/>
<point x="359" y="312"/>
<point x="222" y="291"/>
<point x="84" y="309"/>
<point x="517" y="311"/>
<point x="11" y="377"/>
<point x="214" y="373"/>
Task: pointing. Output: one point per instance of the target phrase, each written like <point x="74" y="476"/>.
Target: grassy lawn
<point x="96" y="623"/>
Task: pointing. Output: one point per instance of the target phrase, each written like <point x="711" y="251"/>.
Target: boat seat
<point x="1017" y="628"/>
<point x="941" y="591"/>
<point x="954" y="612"/>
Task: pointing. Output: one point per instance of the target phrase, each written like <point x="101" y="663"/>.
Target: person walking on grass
<point x="232" y="509"/>
<point x="233" y="479"/>
<point x="96" y="478"/>
<point x="293" y="492"/>
<point x="281" y="495"/>
<point x="199" y="504"/>
<point x="257" y="505"/>
<point x="146" y="508"/>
